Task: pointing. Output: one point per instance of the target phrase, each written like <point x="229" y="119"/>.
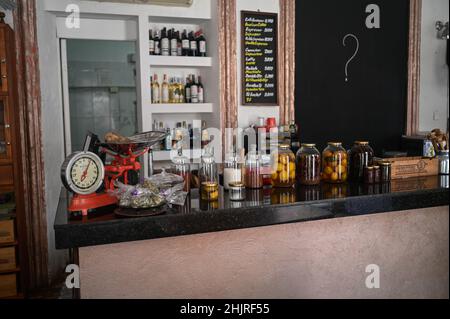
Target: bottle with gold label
<point x="334" y="163"/>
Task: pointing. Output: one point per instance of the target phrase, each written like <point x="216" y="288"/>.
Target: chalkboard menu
<point x="259" y="58"/>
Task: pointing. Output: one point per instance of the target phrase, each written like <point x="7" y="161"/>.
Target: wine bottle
<point x="201" y="43"/>
<point x="157" y="42"/>
<point x="179" y="47"/>
<point x="173" y="43"/>
<point x="165" y="90"/>
<point x="165" y="43"/>
<point x="192" y="45"/>
<point x="188" y="90"/>
<point x="151" y="43"/>
<point x="194" y="90"/>
<point x="185" y="44"/>
<point x="156" y="93"/>
<point x="201" y="91"/>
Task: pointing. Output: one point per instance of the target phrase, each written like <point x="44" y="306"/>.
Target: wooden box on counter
<point x="407" y="167"/>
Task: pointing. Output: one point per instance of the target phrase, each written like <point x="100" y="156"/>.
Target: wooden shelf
<point x="181" y="108"/>
<point x="180" y="61"/>
<point x="16" y="243"/>
<point x="10" y="271"/>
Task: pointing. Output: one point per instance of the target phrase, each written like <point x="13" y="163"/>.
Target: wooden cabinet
<point x="12" y="247"/>
<point x="5" y="131"/>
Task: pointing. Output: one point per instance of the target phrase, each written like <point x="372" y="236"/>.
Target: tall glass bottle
<point x="165" y="98"/>
<point x="151" y="43"/>
<point x="209" y="179"/>
<point x="156" y="92"/>
<point x="165" y="43"/>
<point x="253" y="177"/>
<point x="157" y="41"/>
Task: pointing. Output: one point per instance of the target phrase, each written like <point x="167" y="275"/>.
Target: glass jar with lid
<point x="252" y="174"/>
<point x="181" y="166"/>
<point x="208" y="175"/>
<point x="308" y="165"/>
<point x="283" y="167"/>
<point x="334" y="163"/>
<point x="361" y="156"/>
<point x="232" y="171"/>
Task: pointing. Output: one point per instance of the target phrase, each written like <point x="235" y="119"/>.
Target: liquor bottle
<point x="172" y="90"/>
<point x="168" y="140"/>
<point x="182" y="91"/>
<point x="185" y="44"/>
<point x="187" y="90"/>
<point x="205" y="135"/>
<point x="151" y="43"/>
<point x="157" y="41"/>
<point x="165" y="43"/>
<point x="201" y="91"/>
<point x="192" y="45"/>
<point x="156" y="92"/>
<point x="179" y="46"/>
<point x="173" y="43"/>
<point x="176" y="91"/>
<point x="194" y="90"/>
<point x="201" y="43"/>
<point x="165" y="90"/>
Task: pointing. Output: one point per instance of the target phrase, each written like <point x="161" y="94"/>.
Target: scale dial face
<point x="83" y="173"/>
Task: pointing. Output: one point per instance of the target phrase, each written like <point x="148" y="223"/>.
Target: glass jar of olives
<point x="283" y="167"/>
<point x="209" y="179"/>
<point x="361" y="156"/>
<point x="334" y="163"/>
<point x="308" y="165"/>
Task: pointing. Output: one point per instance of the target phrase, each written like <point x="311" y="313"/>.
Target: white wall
<point x="52" y="127"/>
<point x="434" y="70"/>
<point x="250" y="114"/>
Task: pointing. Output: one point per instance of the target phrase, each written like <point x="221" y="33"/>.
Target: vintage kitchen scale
<point x="86" y="176"/>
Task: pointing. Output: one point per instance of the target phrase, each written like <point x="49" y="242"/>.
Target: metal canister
<point x="386" y="171"/>
<point x="443" y="157"/>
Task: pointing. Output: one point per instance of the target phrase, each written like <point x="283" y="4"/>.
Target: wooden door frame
<point x="29" y="148"/>
<point x="413" y="103"/>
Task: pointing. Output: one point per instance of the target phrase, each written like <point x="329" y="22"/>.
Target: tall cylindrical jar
<point x="181" y="166"/>
<point x="308" y="165"/>
<point x="233" y="170"/>
<point x="209" y="179"/>
<point x="283" y="167"/>
<point x="334" y="163"/>
<point x="252" y="174"/>
<point x="361" y="156"/>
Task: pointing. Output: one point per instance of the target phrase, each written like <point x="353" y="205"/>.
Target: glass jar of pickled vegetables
<point x="334" y="163"/>
<point x="252" y="174"/>
<point x="209" y="180"/>
<point x="283" y="167"/>
<point x="308" y="165"/>
<point x="361" y="156"/>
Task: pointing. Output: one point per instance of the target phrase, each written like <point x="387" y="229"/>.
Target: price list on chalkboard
<point x="259" y="58"/>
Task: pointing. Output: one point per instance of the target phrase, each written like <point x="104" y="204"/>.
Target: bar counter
<point x="264" y="207"/>
<point x="300" y="243"/>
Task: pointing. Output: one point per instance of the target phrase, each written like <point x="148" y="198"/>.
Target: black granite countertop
<point x="261" y="208"/>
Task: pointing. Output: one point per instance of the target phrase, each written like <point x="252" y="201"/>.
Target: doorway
<point x="99" y="89"/>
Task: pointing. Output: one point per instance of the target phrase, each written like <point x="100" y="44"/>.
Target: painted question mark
<point x="354" y="54"/>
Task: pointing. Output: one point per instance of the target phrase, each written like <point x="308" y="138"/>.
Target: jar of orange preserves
<point x="283" y="167"/>
<point x="334" y="163"/>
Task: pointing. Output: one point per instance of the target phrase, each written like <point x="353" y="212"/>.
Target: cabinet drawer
<point x="6" y="175"/>
<point x="7" y="231"/>
<point x="8" y="285"/>
<point x="8" y="258"/>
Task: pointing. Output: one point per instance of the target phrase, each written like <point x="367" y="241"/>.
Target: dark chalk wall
<point x="372" y="104"/>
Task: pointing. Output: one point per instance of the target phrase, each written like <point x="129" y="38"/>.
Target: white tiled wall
<point x="102" y="97"/>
